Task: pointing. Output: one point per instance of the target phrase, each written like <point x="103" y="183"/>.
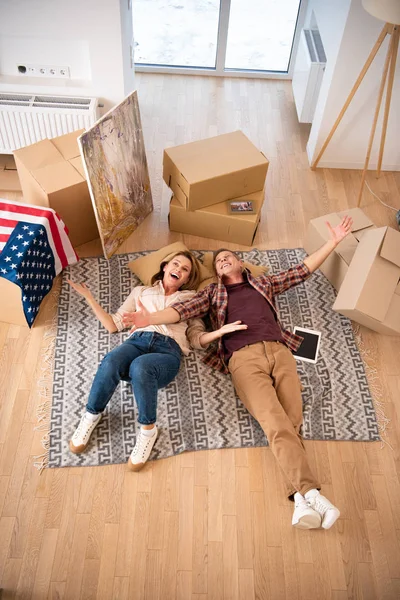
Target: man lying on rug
<point x="260" y="361"/>
<point x="150" y="358"/>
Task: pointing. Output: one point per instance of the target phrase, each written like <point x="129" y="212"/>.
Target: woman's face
<point x="177" y="271"/>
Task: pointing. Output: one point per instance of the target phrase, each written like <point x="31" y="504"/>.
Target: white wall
<point x="348" y="33"/>
<point x="92" y="37"/>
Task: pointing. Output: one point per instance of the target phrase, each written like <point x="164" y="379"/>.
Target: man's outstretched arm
<point x="143" y="318"/>
<point x="337" y="234"/>
<point x="197" y="306"/>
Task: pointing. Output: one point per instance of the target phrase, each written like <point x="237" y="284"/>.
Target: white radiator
<point x="26" y="119"/>
<point x="308" y="71"/>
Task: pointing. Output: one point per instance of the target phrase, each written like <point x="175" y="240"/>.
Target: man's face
<point x="226" y="264"/>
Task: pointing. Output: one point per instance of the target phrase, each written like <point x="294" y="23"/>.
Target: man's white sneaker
<point x="329" y="513"/>
<point x="304" y="517"/>
<point x="142" y="450"/>
<point x="79" y="441"/>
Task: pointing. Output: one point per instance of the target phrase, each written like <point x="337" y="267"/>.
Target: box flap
<point x="38" y="155"/>
<point x="78" y="165"/>
<point x="391" y="246"/>
<point x="57" y="177"/>
<point x="379" y="288"/>
<point x="360" y="219"/>
<point x="67" y="144"/>
<point x="216" y="156"/>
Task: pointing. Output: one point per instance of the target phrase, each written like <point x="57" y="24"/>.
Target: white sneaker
<point x="304" y="517"/>
<point x="142" y="450"/>
<point x="329" y="513"/>
<point x="79" y="441"/>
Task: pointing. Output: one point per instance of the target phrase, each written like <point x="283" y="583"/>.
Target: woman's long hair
<point x="194" y="277"/>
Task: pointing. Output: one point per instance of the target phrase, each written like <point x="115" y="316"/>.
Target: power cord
<point x="387" y="205"/>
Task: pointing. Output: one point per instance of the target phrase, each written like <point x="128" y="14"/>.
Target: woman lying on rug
<point x="150" y="358"/>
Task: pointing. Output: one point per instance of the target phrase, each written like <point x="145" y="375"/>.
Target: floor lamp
<point x="388" y="11"/>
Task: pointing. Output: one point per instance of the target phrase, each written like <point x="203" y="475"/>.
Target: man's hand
<point x="231" y="327"/>
<point x="138" y="319"/>
<point x="338" y="233"/>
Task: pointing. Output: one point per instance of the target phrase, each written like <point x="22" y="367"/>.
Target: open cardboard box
<point x="210" y="171"/>
<point x="370" y="292"/>
<point x="51" y="174"/>
<point x="217" y="222"/>
<point x="9" y="180"/>
<point x="336" y="265"/>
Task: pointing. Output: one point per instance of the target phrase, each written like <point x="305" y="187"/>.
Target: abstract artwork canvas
<point x="116" y="168"/>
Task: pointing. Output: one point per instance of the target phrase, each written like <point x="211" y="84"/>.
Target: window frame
<point x="222" y="39"/>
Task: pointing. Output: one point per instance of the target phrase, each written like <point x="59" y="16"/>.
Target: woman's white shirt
<point x="185" y="333"/>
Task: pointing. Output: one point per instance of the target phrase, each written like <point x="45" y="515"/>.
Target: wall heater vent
<point x="29" y="118"/>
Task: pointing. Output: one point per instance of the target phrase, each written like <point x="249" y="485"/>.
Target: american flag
<point x="34" y="248"/>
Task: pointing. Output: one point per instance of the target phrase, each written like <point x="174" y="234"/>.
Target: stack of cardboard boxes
<point x="205" y="176"/>
<point x="364" y="269"/>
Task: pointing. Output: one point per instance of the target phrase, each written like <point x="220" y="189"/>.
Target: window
<point x="215" y="36"/>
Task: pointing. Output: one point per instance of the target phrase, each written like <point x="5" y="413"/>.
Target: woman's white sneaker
<point x="329" y="513"/>
<point x="79" y="441"/>
<point x="304" y="517"/>
<point x="142" y="450"/>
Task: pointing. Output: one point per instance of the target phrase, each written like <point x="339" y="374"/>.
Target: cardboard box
<point x="336" y="265"/>
<point x="209" y="171"/>
<point x="370" y="292"/>
<point x="9" y="180"/>
<point x="217" y="222"/>
<point x="51" y="174"/>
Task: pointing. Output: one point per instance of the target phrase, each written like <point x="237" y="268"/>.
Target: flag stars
<point x="14" y="247"/>
<point x="20" y="237"/>
<point x="20" y="254"/>
<point x="31" y="233"/>
<point x="25" y="227"/>
<point x="25" y="243"/>
<point x="4" y="271"/>
<point x="13" y="266"/>
<point x="7" y="258"/>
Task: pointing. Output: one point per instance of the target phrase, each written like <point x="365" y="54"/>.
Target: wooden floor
<point x="209" y="525"/>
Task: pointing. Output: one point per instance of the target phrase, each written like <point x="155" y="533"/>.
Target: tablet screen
<point x="309" y="348"/>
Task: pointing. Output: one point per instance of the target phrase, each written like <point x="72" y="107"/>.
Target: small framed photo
<point x="308" y="351"/>
<point x="241" y="206"/>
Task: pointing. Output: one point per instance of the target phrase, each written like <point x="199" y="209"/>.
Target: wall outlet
<point x="50" y="71"/>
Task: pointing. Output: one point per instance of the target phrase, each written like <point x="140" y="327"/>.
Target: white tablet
<point x="308" y="351"/>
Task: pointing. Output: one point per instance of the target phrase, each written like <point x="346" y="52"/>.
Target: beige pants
<point x="266" y="381"/>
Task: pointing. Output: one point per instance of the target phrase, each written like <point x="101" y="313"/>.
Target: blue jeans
<point x="148" y="360"/>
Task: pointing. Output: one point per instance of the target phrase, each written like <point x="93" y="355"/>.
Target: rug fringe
<point x="45" y="383"/>
<point x="375" y="385"/>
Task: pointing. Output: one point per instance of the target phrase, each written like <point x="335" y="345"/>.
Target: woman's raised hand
<point x="81" y="288"/>
<point x="230" y="327"/>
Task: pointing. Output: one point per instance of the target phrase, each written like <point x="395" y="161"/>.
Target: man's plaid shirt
<point x="214" y="300"/>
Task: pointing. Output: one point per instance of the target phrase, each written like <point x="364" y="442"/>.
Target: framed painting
<point x="116" y="169"/>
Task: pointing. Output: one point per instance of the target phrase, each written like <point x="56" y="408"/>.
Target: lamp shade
<point x="386" y="10"/>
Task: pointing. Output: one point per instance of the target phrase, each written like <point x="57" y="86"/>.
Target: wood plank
<point x="185" y="543"/>
<point x="107" y="562"/>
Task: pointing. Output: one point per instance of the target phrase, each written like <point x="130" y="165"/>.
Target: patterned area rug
<point x="200" y="410"/>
